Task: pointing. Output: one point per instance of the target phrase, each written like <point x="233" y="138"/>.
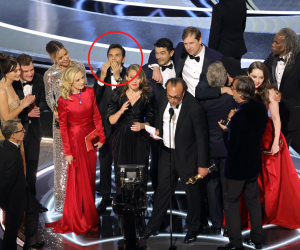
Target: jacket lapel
<point x="161" y="115"/>
<point x="206" y="63"/>
<point x="182" y="114"/>
<point x="274" y="70"/>
<point x="285" y="75"/>
<point x="181" y="62"/>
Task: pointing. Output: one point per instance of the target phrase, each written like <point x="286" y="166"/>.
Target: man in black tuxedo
<point x="216" y="109"/>
<point x="189" y="152"/>
<point x="30" y="118"/>
<point x="283" y="65"/>
<point x="243" y="163"/>
<point x="228" y="23"/>
<point x="112" y="72"/>
<point x="191" y="58"/>
<point x="15" y="197"/>
<point x="163" y="52"/>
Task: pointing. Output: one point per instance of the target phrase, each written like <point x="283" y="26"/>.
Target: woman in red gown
<point x="278" y="181"/>
<point x="78" y="117"/>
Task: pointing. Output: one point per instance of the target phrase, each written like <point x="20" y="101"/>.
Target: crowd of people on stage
<point x="220" y="116"/>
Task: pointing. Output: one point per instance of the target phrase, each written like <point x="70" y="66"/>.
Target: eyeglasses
<point x="174" y="97"/>
<point x="22" y="130"/>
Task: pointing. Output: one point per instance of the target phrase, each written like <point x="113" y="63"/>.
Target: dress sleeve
<point x="49" y="81"/>
<point x="113" y="105"/>
<point x="97" y="118"/>
<point x="151" y="110"/>
<point x="63" y="125"/>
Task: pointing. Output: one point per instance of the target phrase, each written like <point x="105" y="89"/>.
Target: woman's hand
<point x="277" y="96"/>
<point x="275" y="148"/>
<point x="124" y="107"/>
<point x="137" y="126"/>
<point x="55" y="114"/>
<point x="27" y="100"/>
<point x="221" y="125"/>
<point x="69" y="158"/>
<point x="98" y="144"/>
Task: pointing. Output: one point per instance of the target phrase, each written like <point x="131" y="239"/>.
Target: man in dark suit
<point x="216" y="109"/>
<point x="191" y="58"/>
<point x="112" y="72"/>
<point x="15" y="198"/>
<point x="30" y="118"/>
<point x="188" y="150"/>
<point x="243" y="163"/>
<point x="283" y="65"/>
<point x="228" y="23"/>
<point x="163" y="52"/>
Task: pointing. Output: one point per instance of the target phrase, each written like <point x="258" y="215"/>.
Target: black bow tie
<point x="280" y="59"/>
<point x="27" y="83"/>
<point x="163" y="67"/>
<point x="197" y="58"/>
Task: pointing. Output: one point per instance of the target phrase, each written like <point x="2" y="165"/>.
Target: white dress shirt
<point x="166" y="124"/>
<point x="191" y="71"/>
<point x="280" y="67"/>
<point x="112" y="80"/>
<point x="167" y="73"/>
<point x="15" y="143"/>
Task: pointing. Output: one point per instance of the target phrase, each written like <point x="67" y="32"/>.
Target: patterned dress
<point x="52" y="83"/>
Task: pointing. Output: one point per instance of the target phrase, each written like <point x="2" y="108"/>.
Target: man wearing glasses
<point x="15" y="197"/>
<point x="188" y="151"/>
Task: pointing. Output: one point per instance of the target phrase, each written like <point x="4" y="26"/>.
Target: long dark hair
<point x="7" y="65"/>
<point x="144" y="86"/>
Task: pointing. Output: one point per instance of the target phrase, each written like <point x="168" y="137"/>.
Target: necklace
<point x="78" y="97"/>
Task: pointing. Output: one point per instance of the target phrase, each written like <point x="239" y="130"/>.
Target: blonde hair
<point x="67" y="79"/>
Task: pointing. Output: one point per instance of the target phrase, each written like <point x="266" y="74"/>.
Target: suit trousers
<point x="106" y="160"/>
<point x="13" y="222"/>
<point x="232" y="196"/>
<point x="32" y="151"/>
<point x="214" y="182"/>
<point x="154" y="153"/>
<point x="293" y="139"/>
<point x="162" y="197"/>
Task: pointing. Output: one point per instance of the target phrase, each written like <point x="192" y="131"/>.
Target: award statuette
<point x="55" y="110"/>
<point x="193" y="179"/>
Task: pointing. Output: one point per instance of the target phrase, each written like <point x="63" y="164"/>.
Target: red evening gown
<point x="279" y="186"/>
<point x="77" y="121"/>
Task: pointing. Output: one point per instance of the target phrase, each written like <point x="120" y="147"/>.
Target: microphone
<point x="171" y="112"/>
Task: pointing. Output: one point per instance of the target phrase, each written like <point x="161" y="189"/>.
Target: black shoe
<point x="190" y="237"/>
<point x="229" y="247"/>
<point x="253" y="244"/>
<point x="42" y="209"/>
<point x="225" y="233"/>
<point x="217" y="230"/>
<point x="203" y="228"/>
<point x="147" y="233"/>
<point x="38" y="245"/>
<point x="102" y="206"/>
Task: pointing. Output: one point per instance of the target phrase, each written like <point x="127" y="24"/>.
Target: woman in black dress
<point x="131" y="107"/>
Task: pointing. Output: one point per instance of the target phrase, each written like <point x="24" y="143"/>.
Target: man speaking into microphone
<point x="182" y="117"/>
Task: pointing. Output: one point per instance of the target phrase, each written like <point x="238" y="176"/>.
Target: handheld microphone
<point x="171" y="112"/>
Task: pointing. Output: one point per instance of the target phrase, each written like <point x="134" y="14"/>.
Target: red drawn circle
<point x="123" y="34"/>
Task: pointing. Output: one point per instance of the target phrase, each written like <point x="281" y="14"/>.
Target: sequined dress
<point x="52" y="83"/>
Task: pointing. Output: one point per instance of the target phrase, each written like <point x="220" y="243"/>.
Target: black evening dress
<point x="129" y="147"/>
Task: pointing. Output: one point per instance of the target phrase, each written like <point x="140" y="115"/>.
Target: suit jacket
<point x="13" y="185"/>
<point x="228" y="24"/>
<point x="103" y="94"/>
<point x="242" y="139"/>
<point x="217" y="109"/>
<point x="191" y="135"/>
<point x="289" y="106"/>
<point x="38" y="89"/>
<point x="156" y="87"/>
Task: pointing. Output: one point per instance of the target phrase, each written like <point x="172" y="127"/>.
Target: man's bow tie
<point x="280" y="59"/>
<point x="163" y="67"/>
<point x="27" y="83"/>
<point x="197" y="58"/>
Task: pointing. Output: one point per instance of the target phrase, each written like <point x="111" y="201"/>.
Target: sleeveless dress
<point x="279" y="185"/>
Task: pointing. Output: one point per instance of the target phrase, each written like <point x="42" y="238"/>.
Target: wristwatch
<point x="119" y="80"/>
